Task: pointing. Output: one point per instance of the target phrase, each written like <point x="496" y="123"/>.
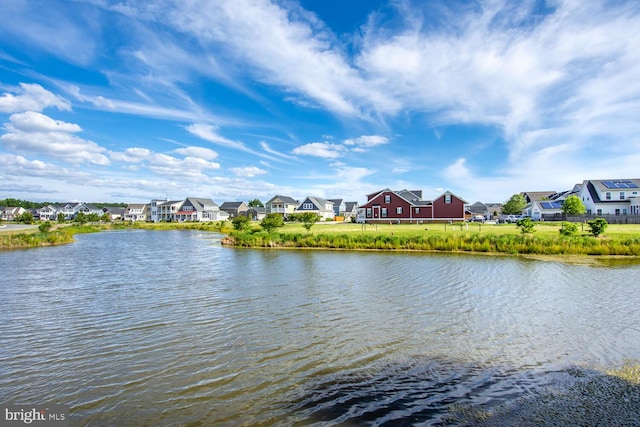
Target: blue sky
<point x="130" y="100"/>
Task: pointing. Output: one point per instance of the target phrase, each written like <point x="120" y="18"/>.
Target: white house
<point x="322" y="207"/>
<point x="611" y="196"/>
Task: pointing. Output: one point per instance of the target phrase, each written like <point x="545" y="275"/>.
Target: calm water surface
<point x="170" y="328"/>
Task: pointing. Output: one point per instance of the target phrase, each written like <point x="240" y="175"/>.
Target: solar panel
<point x="551" y="205"/>
<point x="621" y="183"/>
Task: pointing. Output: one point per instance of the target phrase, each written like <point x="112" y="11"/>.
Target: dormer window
<point x="622" y="195"/>
<point x="607" y="195"/>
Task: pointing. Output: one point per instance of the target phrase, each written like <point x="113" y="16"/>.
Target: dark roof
<point x="285" y="199"/>
<point x="231" y="205"/>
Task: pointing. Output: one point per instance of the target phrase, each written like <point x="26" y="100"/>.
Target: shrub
<point x="568" y="229"/>
<point x="597" y="226"/>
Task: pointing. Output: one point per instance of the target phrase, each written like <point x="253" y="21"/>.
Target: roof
<point x="201" y="204"/>
<point x="319" y="202"/>
<point x="231" y="205"/>
<point x="285" y="199"/>
<point x="350" y="206"/>
<point x="531" y="196"/>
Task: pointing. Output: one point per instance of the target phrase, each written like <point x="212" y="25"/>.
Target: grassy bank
<point x="35" y="238"/>
<point x="619" y="240"/>
<point x="63" y="233"/>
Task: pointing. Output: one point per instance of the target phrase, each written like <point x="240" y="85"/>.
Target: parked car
<point x="476" y="218"/>
<point x="510" y="218"/>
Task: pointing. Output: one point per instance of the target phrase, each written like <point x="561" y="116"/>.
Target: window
<point x="384" y="212"/>
<point x="387" y="198"/>
<point x="622" y="195"/>
<point x="447" y="198"/>
<point x="368" y="212"/>
<point x="417" y="210"/>
<point x="617" y="212"/>
<point x="599" y="212"/>
<point x="607" y="195"/>
<point x="307" y="206"/>
<point x="399" y="210"/>
<point x="624" y="211"/>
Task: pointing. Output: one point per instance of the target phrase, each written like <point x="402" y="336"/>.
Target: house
<point x="478" y="209"/>
<point x="530" y="196"/>
<point x="199" y="209"/>
<point x="537" y="209"/>
<point x="611" y="196"/>
<point x="234" y="208"/>
<point x="350" y="211"/>
<point x="322" y="207"/>
<point x="165" y="210"/>
<point x="283" y="205"/>
<point x="117" y="212"/>
<point x="136" y="212"/>
<point x="408" y="207"/>
<point x="10" y="213"/>
<point x="255" y="213"/>
<point x="46" y="213"/>
<point x="339" y="206"/>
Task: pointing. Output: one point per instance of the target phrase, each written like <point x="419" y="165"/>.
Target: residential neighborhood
<point x="613" y="198"/>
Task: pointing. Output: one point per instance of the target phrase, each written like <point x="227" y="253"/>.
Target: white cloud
<point x="31" y="97"/>
<point x="209" y="133"/>
<point x="199" y="152"/>
<point x="248" y="172"/>
<point x="320" y="149"/>
<point x="131" y="155"/>
<point x="31" y="121"/>
<point x="35" y="133"/>
<point x="366" y="141"/>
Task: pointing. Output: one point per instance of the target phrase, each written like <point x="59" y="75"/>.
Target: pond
<point x="171" y="328"/>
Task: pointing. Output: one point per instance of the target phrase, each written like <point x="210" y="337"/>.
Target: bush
<point x="568" y="229"/>
<point x="525" y="225"/>
<point x="597" y="226"/>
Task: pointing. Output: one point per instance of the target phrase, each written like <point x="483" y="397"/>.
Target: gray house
<point x="234" y="208"/>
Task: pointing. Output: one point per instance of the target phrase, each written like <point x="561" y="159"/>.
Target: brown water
<point x="170" y="328"/>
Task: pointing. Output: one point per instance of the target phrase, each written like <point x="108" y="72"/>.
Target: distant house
<point x="611" y="196"/>
<point x="283" y="205"/>
<point x="10" y="213"/>
<point x="117" y="212"/>
<point x="255" y="213"/>
<point x="199" y="209"/>
<point x="350" y="211"/>
<point x="339" y="206"/>
<point x="46" y="213"/>
<point x="322" y="207"/>
<point x="136" y="212"/>
<point x="539" y="208"/>
<point x="234" y="208"/>
<point x="530" y="196"/>
<point x="408" y="207"/>
<point x="165" y="210"/>
<point x="479" y="209"/>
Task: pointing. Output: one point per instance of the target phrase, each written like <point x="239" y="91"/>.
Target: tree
<point x="514" y="205"/>
<point x="526" y="225"/>
<point x="255" y="203"/>
<point x="568" y="229"/>
<point x="573" y="206"/>
<point x="25" y="217"/>
<point x="308" y="219"/>
<point x="271" y="222"/>
<point x="81" y="217"/>
<point x="105" y="217"/>
<point x="45" y="227"/>
<point x="60" y="217"/>
<point x="240" y="222"/>
<point x="597" y="226"/>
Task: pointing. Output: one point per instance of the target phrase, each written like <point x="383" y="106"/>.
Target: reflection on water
<point x="170" y="328"/>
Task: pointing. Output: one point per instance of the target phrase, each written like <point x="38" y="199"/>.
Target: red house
<point x="408" y="207"/>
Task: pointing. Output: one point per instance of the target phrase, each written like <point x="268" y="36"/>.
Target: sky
<point x="128" y="101"/>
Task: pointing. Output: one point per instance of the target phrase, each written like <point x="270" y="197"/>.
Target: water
<point x="170" y="328"/>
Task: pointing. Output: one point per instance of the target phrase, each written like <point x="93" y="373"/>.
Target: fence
<point x="610" y="218"/>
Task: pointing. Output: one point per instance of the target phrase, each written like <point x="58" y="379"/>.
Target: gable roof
<point x="318" y="202"/>
<point x="284" y="199"/>
<point x="350" y="206"/>
<point x="531" y="196"/>
<point x="201" y="204"/>
<point x="231" y="205"/>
